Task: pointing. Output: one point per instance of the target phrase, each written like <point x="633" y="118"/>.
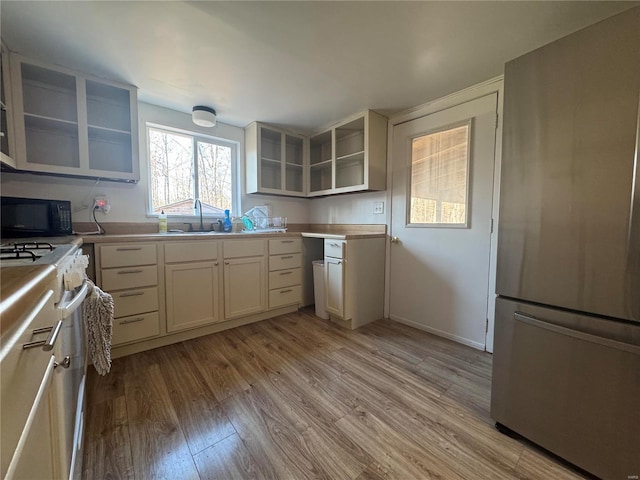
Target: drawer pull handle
<point x="127" y="249"/>
<point x="286" y="241"/>
<point x="334" y="244"/>
<point x="131" y="320"/>
<point x="287" y="257"/>
<point x="286" y="291"/>
<point x="125" y="272"/>
<point x="131" y="294"/>
<point x="286" y="273"/>
<point x="47" y="344"/>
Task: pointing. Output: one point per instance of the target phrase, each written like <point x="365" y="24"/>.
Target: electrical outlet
<point x="378" y="207"/>
<point x="102" y="203"/>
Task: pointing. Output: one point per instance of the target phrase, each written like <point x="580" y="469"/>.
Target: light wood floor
<point x="296" y="397"/>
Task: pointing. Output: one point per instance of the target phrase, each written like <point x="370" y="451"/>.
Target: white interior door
<point x="442" y="191"/>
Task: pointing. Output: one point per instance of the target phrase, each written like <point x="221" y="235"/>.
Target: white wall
<point x="348" y="208"/>
<point x="129" y="201"/>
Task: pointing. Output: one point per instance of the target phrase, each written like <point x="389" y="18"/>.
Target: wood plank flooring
<point x="297" y="397"/>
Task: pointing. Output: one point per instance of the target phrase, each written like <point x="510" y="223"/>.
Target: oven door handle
<point x="67" y="308"/>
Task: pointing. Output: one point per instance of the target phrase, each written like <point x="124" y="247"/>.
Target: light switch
<point x="378" y="207"/>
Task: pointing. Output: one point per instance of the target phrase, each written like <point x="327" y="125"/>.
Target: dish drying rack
<point x="263" y="224"/>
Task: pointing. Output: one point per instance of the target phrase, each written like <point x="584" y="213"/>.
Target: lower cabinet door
<point x="245" y="286"/>
<point x="192" y="295"/>
<point x="334" y="281"/>
<point x="34" y="457"/>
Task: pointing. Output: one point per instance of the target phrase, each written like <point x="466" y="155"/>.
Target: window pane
<point x="214" y="178"/>
<point x="439" y="163"/>
<point x="171" y="172"/>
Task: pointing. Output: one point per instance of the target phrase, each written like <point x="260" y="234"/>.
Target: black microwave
<point x="31" y="217"/>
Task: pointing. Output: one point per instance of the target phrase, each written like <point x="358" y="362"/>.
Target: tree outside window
<point x="185" y="167"/>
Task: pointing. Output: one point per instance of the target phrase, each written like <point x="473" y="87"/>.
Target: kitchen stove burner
<point x="25" y="250"/>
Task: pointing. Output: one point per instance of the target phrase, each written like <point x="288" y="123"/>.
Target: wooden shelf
<point x="350" y="155"/>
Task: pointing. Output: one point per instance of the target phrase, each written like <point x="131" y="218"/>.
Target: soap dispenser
<point x="227" y="226"/>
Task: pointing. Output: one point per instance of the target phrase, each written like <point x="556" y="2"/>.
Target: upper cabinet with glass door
<point x="350" y="157"/>
<point x="6" y="133"/>
<point x="68" y="123"/>
<point x="275" y="161"/>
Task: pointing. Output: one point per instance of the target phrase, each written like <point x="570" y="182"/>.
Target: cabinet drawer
<point x="243" y="248"/>
<point x="131" y="302"/>
<point x="136" y="327"/>
<point x="334" y="248"/>
<point x="284" y="296"/>
<point x="127" y="255"/>
<point x="285" y="245"/>
<point x="282" y="262"/>
<point x="130" y="277"/>
<point x="285" y="278"/>
<point x="190" y="251"/>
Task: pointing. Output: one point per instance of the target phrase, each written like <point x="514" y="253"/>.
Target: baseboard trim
<point x="439" y="333"/>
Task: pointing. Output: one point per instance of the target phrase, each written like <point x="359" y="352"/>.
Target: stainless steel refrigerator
<point x="566" y="372"/>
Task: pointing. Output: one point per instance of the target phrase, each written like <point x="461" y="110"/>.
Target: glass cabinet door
<point x="270" y="159"/>
<point x="294" y="167"/>
<point x="320" y="162"/>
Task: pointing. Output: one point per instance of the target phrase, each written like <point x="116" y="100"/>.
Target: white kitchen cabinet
<point x="334" y="251"/>
<point x="35" y="456"/>
<point x="349" y="157"/>
<point x="245" y="286"/>
<point x="67" y="123"/>
<point x="6" y="112"/>
<point x="285" y="272"/>
<point x="192" y="284"/>
<point x="354" y="280"/>
<point x="275" y="161"/>
<point x="129" y="272"/>
<point x="28" y="411"/>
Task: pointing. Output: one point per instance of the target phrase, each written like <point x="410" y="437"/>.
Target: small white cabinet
<point x="354" y="280"/>
<point x="334" y="277"/>
<point x="67" y="123"/>
<point x="275" y="161"/>
<point x="192" y="280"/>
<point x="349" y="157"/>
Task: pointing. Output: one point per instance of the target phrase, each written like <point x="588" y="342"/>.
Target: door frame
<point x="494" y="85"/>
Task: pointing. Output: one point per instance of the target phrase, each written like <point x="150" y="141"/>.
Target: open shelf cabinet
<point x="67" y="123"/>
<point x="349" y="157"/>
<point x="275" y="161"/>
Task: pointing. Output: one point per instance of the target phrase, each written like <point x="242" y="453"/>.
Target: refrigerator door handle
<point x="587" y="337"/>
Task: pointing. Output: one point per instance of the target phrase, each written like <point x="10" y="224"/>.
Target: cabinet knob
<point x="226" y="262"/>
<point x="65" y="363"/>
<point x="216" y="263"/>
<point x="395" y="240"/>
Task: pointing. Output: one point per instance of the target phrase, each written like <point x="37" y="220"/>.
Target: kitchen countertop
<point x="20" y="288"/>
<point x="163" y="237"/>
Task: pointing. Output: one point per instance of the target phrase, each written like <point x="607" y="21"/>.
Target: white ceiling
<point x="298" y="64"/>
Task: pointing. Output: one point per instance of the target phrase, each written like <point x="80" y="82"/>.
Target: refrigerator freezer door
<point x="566" y="235"/>
<point x="571" y="384"/>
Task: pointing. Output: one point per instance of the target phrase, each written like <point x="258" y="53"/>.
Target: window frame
<point x="467" y="224"/>
<point x="196" y="137"/>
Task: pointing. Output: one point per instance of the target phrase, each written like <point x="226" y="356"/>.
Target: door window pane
<point x="439" y="177"/>
<point x="171" y="172"/>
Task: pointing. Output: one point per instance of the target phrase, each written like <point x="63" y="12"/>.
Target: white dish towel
<point x="97" y="311"/>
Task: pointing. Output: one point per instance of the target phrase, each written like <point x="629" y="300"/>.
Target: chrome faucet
<point x="196" y="205"/>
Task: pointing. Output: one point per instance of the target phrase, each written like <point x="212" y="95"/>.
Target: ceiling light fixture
<point x="204" y="116"/>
